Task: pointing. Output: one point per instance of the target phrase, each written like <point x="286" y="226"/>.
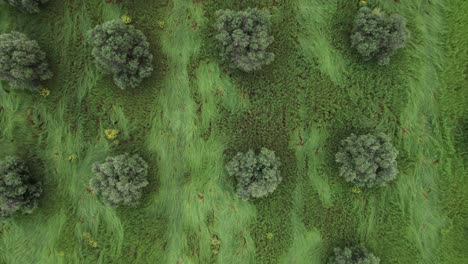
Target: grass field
<point x="194" y="113"/>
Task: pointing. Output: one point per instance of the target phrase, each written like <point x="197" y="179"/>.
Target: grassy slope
<point x="194" y="112"/>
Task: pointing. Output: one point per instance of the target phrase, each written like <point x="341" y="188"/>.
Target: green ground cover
<point x="194" y="113"/>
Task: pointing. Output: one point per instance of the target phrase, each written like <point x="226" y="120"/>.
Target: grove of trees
<point x="121" y="50"/>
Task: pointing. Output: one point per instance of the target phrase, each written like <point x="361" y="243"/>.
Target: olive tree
<point x="244" y="38"/>
<point x="27" y="6"/>
<point x="18" y="190"/>
<point x="123" y="51"/>
<point x="119" y="180"/>
<point x="367" y="160"/>
<point x="353" y="255"/>
<point x="257" y="175"/>
<point x="378" y="36"/>
<point x="22" y="62"/>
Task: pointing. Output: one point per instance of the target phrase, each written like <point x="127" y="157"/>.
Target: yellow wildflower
<point x="44" y="92"/>
<point x="111" y="133"/>
<point x="269" y="235"/>
<point x="126" y="19"/>
<point x="356" y="189"/>
<point x="161" y="24"/>
<point x="93" y="243"/>
<point x="72" y="157"/>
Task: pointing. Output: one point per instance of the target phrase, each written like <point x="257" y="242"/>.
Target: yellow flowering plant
<point x="72" y="157"/>
<point x="44" y="92"/>
<point x="126" y="19"/>
<point x="89" y="240"/>
<point x="111" y="133"/>
<point x="356" y="190"/>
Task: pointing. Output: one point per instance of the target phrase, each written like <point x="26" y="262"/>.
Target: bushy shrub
<point x="123" y="51"/>
<point x="119" y="180"/>
<point x="367" y="160"/>
<point x="353" y="255"/>
<point x="257" y="175"/>
<point x="244" y="37"/>
<point x="28" y="6"/>
<point x="22" y="62"/>
<point x="378" y="36"/>
<point x="18" y="191"/>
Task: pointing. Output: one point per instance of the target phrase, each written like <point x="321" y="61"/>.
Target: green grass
<point x="194" y="113"/>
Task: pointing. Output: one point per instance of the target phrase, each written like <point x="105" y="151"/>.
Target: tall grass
<point x="193" y="191"/>
<point x="66" y="210"/>
<point x="314" y="18"/>
<point x="194" y="113"/>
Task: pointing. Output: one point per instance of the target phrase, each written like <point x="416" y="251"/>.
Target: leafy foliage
<point x="244" y="37"/>
<point x="257" y="175"/>
<point x="353" y="255"/>
<point x="119" y="180"/>
<point x="367" y="160"/>
<point x="28" y="6"/>
<point x="18" y="192"/>
<point x="377" y="36"/>
<point x="22" y="62"/>
<point x="123" y="51"/>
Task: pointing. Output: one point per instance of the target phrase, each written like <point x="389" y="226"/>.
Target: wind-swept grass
<point x="190" y="153"/>
<point x="194" y="113"/>
<point x="315" y="22"/>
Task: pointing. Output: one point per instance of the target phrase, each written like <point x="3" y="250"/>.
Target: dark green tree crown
<point x="18" y="191"/>
<point x="257" y="174"/>
<point x="27" y="6"/>
<point x="244" y="38"/>
<point x="353" y="255"/>
<point x="123" y="51"/>
<point x="119" y="180"/>
<point x="378" y="36"/>
<point x="22" y="62"/>
<point x="367" y="160"/>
